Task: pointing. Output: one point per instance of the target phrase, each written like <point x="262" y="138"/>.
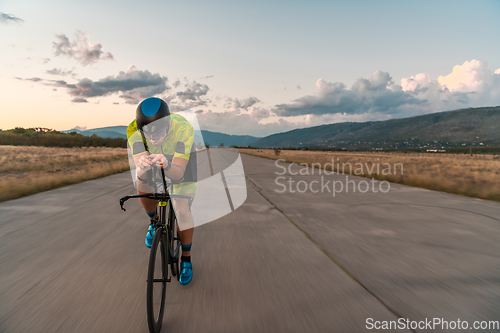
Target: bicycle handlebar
<point x="156" y="196"/>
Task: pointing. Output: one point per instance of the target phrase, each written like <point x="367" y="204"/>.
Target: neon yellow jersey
<point x="178" y="143"/>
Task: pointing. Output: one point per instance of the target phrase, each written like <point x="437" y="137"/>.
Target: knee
<point x="143" y="187"/>
<point x="182" y="208"/>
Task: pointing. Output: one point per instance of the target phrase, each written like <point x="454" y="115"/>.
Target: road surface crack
<point x="351" y="275"/>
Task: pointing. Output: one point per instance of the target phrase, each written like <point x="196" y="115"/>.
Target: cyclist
<point x="157" y="137"/>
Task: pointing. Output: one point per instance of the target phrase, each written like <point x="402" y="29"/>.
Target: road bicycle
<point x="164" y="255"/>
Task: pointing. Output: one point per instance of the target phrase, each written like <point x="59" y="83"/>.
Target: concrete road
<point x="72" y="261"/>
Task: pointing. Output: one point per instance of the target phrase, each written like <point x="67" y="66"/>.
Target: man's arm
<point x="176" y="171"/>
<point x="182" y="152"/>
<point x="142" y="164"/>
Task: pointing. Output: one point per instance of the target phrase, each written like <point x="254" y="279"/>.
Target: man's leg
<point x="185" y="222"/>
<point x="149" y="205"/>
<point x="185" y="228"/>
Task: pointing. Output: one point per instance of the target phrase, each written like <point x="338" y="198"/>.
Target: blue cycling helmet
<point x="150" y="110"/>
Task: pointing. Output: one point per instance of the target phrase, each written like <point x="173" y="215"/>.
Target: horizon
<point x="353" y="62"/>
<point x="496" y="106"/>
<point x="80" y="128"/>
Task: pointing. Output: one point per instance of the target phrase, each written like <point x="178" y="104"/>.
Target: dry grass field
<point x="475" y="176"/>
<point x="26" y="170"/>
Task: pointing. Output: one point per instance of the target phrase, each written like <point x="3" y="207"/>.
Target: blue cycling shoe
<point x="150" y="235"/>
<point x="186" y="273"/>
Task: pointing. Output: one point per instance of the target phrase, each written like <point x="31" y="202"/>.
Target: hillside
<point x="103" y="132"/>
<point x="215" y="139"/>
<point x="472" y="126"/>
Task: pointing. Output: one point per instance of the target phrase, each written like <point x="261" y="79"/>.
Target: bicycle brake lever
<point x="121" y="204"/>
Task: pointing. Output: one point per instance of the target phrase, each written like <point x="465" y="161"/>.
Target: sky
<point x="255" y="67"/>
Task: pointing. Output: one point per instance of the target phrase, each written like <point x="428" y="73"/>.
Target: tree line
<point x="46" y="137"/>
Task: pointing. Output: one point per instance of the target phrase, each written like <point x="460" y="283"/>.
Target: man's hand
<point x="144" y="162"/>
<point x="159" y="159"/>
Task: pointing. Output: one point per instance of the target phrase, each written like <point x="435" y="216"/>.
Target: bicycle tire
<point x="155" y="321"/>
<point x="173" y="240"/>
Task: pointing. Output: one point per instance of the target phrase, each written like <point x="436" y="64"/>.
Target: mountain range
<point x="210" y="138"/>
<point x="465" y="127"/>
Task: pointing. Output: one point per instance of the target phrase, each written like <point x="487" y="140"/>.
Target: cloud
<point x="259" y="113"/>
<point x="377" y="93"/>
<point x="132" y="86"/>
<point x="79" y="100"/>
<point x="81" y="49"/>
<point x="135" y="85"/>
<point x="246" y="103"/>
<point x="193" y="91"/>
<point x="243" y="117"/>
<point x="9" y="18"/>
<point x="60" y="72"/>
<point x="472" y="76"/>
<point x="191" y="95"/>
<point x="176" y="83"/>
<point x="468" y="85"/>
<point x="471" y="84"/>
<point x="33" y="79"/>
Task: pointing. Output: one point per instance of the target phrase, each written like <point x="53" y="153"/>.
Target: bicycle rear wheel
<point x="157" y="281"/>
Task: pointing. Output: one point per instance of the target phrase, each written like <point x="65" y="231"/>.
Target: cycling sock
<point x="152" y="214"/>
<point x="186" y="248"/>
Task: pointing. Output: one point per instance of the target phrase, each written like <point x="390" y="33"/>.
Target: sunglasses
<point x="155" y="135"/>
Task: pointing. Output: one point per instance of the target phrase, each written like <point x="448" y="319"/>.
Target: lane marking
<point x="210" y="162"/>
<point x="227" y="191"/>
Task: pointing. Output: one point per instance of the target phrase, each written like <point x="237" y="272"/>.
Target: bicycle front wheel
<point x="173" y="242"/>
<point x="157" y="281"/>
